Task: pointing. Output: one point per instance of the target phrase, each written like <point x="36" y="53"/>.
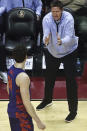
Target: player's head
<point x="20" y="53"/>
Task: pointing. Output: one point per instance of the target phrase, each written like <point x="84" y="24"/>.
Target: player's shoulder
<point x="23" y="76"/>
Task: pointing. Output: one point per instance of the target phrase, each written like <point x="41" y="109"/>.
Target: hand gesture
<point x="58" y="40"/>
<point x="47" y="39"/>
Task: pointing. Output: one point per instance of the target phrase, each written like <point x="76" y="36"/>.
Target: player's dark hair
<point x="19" y="53"/>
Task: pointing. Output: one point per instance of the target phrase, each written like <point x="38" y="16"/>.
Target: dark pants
<point x="52" y="66"/>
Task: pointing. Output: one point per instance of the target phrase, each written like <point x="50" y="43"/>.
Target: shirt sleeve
<point x="46" y="28"/>
<point x="38" y="6"/>
<point x="3" y="4"/>
<point x="69" y="33"/>
<point x="2" y="10"/>
<point x="69" y="39"/>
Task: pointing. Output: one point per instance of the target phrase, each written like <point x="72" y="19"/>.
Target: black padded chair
<point x="81" y="31"/>
<point x="20" y="28"/>
<point x="2" y="26"/>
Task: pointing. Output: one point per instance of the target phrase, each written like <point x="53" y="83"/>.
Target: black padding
<point x="20" y="27"/>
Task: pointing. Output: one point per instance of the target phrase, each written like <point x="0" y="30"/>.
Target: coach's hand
<point x="59" y="42"/>
<point x="47" y="40"/>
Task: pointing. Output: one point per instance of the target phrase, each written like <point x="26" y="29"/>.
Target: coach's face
<point x="56" y="13"/>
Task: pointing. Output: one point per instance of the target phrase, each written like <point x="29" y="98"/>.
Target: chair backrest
<point x="2" y="24"/>
<point x="81" y="22"/>
<point x="21" y="22"/>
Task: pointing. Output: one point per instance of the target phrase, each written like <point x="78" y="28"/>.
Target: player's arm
<point x="23" y="82"/>
<point x="7" y="87"/>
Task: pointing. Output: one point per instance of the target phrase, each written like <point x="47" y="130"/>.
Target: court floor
<point x="53" y="116"/>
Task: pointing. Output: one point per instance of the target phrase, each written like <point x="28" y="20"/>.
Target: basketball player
<point x="20" y="110"/>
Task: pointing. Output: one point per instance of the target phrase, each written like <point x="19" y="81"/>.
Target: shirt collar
<point x="60" y="20"/>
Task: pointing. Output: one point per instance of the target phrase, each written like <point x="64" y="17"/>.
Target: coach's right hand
<point x="47" y="39"/>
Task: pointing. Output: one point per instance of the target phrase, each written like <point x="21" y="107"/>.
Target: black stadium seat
<point x="20" y="28"/>
<point x="81" y="31"/>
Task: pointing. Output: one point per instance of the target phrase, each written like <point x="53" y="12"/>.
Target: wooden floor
<point x="52" y="116"/>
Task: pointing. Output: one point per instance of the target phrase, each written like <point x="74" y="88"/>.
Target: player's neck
<point x="20" y="65"/>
